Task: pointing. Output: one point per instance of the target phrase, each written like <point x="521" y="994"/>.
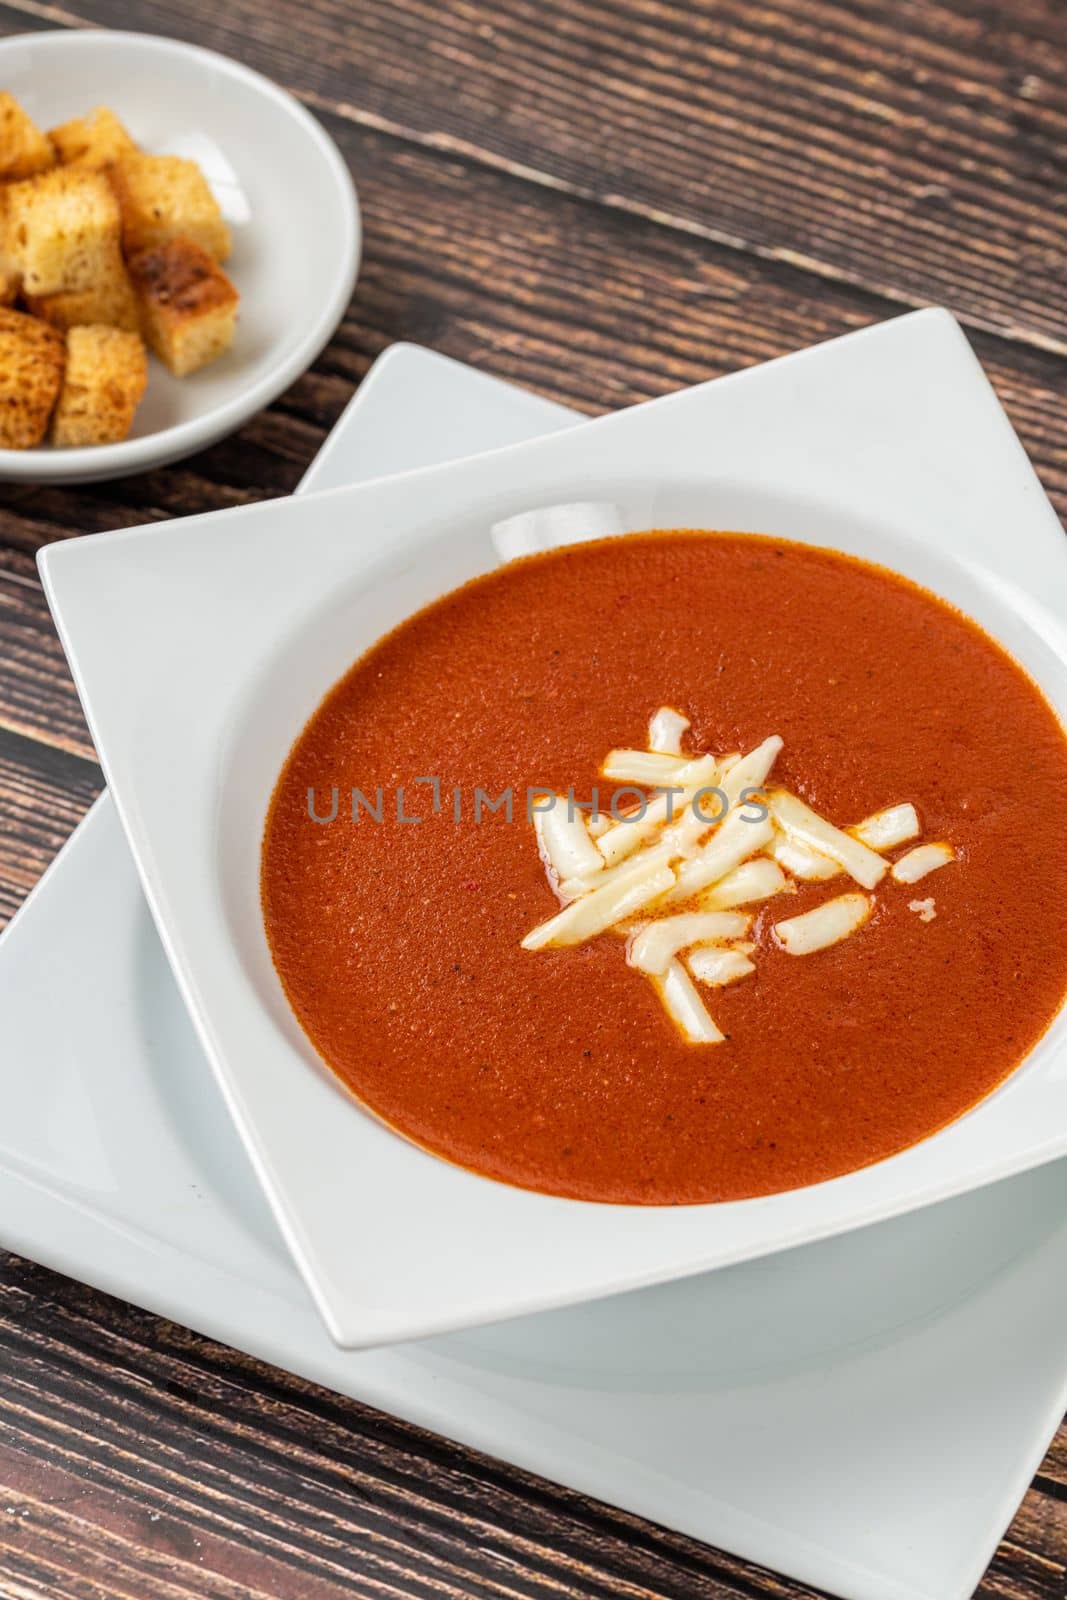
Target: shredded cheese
<point x="732" y="842"/>
<point x="623" y="837"/>
<point x="800" y="822"/>
<point x="684" y="1006"/>
<point x="593" y="913"/>
<point x="751" y="771"/>
<point x="565" y="843"/>
<point x="882" y="831"/>
<point x="655" y="946"/>
<point x="827" y="924"/>
<point x="810" y="866"/>
<point x="886" y="829"/>
<point x="669" y="872"/>
<point x="923" y="859"/>
<point x="643" y="767"/>
<point x="718" y="966"/>
<point x="757" y="879"/>
<point x="666" y="730"/>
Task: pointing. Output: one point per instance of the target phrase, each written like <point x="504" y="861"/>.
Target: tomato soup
<point x="562" y="1066"/>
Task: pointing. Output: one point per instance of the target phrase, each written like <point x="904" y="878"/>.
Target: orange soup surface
<point x="399" y="943"/>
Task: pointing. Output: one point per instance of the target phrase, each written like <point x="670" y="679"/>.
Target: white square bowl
<point x="200" y="648"/>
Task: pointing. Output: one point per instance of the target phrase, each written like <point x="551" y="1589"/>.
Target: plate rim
<point x="355" y="1320"/>
<point x="126" y="1288"/>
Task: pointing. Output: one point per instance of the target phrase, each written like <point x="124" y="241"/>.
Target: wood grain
<point x="163" y="1459"/>
<point x="603" y="200"/>
<point x="44" y="792"/>
<point x="138" y="1459"/>
<point x="914" y="149"/>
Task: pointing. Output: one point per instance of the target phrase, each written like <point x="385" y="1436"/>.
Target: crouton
<point x="93" y="141"/>
<point x="110" y="302"/>
<point x="62" y="230"/>
<point x="102" y="388"/>
<point x="167" y="197"/>
<point x="24" y="149"/>
<point x="10" y="276"/>
<point x="188" y="305"/>
<point x="31" y="372"/>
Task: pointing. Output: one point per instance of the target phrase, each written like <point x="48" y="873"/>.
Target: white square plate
<point x="200" y="648"/>
<point x="863" y="1414"/>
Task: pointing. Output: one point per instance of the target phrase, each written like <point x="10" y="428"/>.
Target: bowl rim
<point x="898" y="426"/>
<point x="184" y="438"/>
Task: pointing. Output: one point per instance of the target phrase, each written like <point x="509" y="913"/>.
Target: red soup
<point x="686" y="1030"/>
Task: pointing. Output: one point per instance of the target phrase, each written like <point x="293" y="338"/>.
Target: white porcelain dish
<point x="285" y="594"/>
<point x="814" y="1411"/>
<point x="283" y="187"/>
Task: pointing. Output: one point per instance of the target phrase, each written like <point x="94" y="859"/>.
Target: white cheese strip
<point x="923" y="859"/>
<point x="634" y="887"/>
<point x="758" y="879"/>
<point x="718" y="967"/>
<point x="811" y="866"/>
<point x="659" y="853"/>
<point x="751" y="771"/>
<point x="623" y="838"/>
<point x="643" y="767"/>
<point x="886" y="829"/>
<point x="825" y="925"/>
<point x="666" y="730"/>
<point x="883" y="831"/>
<point x="729" y="845"/>
<point x="546" y="527"/>
<point x="927" y="909"/>
<point x="684" y="1006"/>
<point x="564" y="841"/>
<point x="748" y="772"/>
<point x="800" y="822"/>
<point x="654" y="948"/>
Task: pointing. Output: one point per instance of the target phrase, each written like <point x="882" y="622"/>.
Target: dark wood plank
<point x="44" y="793"/>
<point x="913" y="149"/>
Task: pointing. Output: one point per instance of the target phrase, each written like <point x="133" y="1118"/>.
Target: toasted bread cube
<point x="93" y="141"/>
<point x="102" y="388"/>
<point x="31" y="372"/>
<point x="167" y="197"/>
<point x="110" y="302"/>
<point x="188" y="304"/>
<point x="10" y="275"/>
<point x="24" y="149"/>
<point x="62" y="230"/>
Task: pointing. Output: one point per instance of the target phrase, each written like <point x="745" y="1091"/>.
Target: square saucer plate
<point x="863" y="1414"/>
<point x="200" y="648"/>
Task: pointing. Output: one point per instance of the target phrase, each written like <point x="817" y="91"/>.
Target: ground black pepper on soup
<point x="561" y="1067"/>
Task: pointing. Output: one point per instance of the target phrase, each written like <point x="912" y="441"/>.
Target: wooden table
<point x="603" y="199"/>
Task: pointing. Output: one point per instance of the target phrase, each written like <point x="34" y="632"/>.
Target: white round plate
<point x="283" y="187"/>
